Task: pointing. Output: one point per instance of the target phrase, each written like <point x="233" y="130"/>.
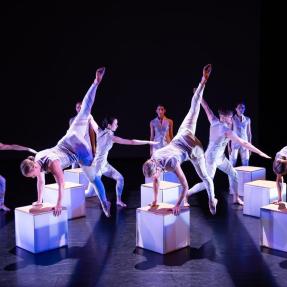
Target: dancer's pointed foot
<point x="4" y="208"/>
<point x="106" y="208"/>
<point x="237" y="200"/>
<point x="212" y="206"/>
<point x="99" y="75"/>
<point x="120" y="203"/>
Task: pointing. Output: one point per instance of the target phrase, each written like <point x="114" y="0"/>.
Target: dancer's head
<point x="151" y="168"/>
<point x="78" y="106"/>
<point x="160" y="110"/>
<point x="29" y="167"/>
<point x="240" y="108"/>
<point x="110" y="123"/>
<point x="280" y="166"/>
<point x="225" y="116"/>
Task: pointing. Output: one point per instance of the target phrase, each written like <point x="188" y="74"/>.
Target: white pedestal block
<point x="157" y="229"/>
<point x="38" y="230"/>
<point x="168" y="192"/>
<point x="259" y="193"/>
<point x="165" y="176"/>
<point x="248" y="174"/>
<point x="76" y="175"/>
<point x="73" y="198"/>
<point x="274" y="226"/>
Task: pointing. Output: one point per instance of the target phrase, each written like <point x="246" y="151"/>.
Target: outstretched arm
<point x="132" y="142"/>
<point x="230" y="134"/>
<point x="16" y="147"/>
<point x="208" y="111"/>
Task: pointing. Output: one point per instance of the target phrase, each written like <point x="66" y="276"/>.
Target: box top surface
<point x="46" y="207"/>
<point x="161" y="209"/>
<point x="75" y="170"/>
<point x="281" y="207"/>
<point x="263" y="183"/>
<point x="163" y="184"/>
<point x="67" y="185"/>
<point x="249" y="168"/>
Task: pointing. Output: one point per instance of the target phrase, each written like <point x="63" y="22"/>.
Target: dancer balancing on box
<point x="184" y="146"/>
<point x="71" y="148"/>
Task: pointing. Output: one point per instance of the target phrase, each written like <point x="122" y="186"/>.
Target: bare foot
<point x="153" y="204"/>
<point x="4" y="208"/>
<point x="120" y="203"/>
<point x="212" y="206"/>
<point x="277" y="202"/>
<point x="237" y="200"/>
<point x="106" y="208"/>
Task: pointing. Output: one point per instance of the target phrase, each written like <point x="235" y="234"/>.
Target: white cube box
<point x="168" y="192"/>
<point x="259" y="193"/>
<point x="76" y="175"/>
<point x="158" y="230"/>
<point x="73" y="198"/>
<point x="38" y="230"/>
<point x="165" y="176"/>
<point x="274" y="226"/>
<point x="248" y="174"/>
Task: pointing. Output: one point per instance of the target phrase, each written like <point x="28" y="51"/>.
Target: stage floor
<point x="224" y="251"/>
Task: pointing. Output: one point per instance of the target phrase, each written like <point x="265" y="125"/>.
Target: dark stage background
<point x="153" y="54"/>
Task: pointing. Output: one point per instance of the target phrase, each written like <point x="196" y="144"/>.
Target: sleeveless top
<point x="104" y="144"/>
<point x="217" y="141"/>
<point x="240" y="128"/>
<point x="161" y="132"/>
<point x="59" y="152"/>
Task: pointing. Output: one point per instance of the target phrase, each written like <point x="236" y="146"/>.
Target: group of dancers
<point x="88" y="145"/>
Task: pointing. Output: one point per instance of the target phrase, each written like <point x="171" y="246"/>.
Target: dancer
<point x="90" y="135"/>
<point x="105" y="141"/>
<point x="161" y="129"/>
<point x="241" y="125"/>
<point x="219" y="135"/>
<point x="71" y="148"/>
<point x="2" y="179"/>
<point x="184" y="146"/>
<point x="280" y="169"/>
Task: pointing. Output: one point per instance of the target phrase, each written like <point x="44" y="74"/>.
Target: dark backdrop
<point x="153" y="54"/>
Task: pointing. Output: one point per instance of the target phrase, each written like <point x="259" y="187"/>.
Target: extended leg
<point x="111" y="172"/>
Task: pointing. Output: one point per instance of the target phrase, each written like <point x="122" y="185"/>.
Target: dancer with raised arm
<point x="219" y="135"/>
<point x="71" y="148"/>
<point x="184" y="146"/>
